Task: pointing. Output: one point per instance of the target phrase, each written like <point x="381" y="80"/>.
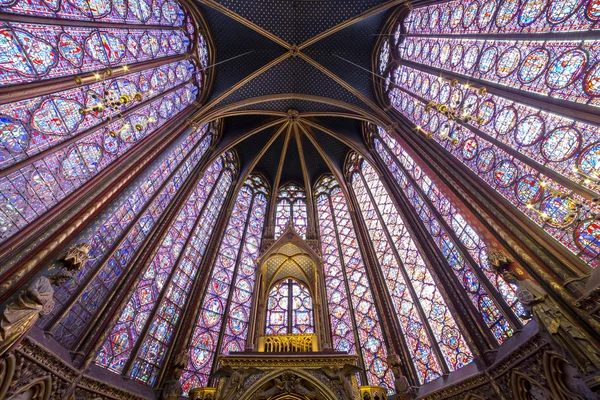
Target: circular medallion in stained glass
<point x="418" y="48"/>
<point x="435" y="52"/>
<point x="445" y="17"/>
<point x="425" y="86"/>
<point x="418" y="82"/>
<point x="471" y="282"/>
<point x="487" y="59"/>
<point x="409" y="47"/>
<point x="237" y="320"/>
<point x="559" y="211"/>
<point x="434" y="122"/>
<point x="528" y="190"/>
<point x="562" y="143"/>
<point x="445" y="130"/>
<point x="487" y="109"/>
<point x="533" y="65"/>
<point x="435" y="89"/>
<point x="213" y="312"/>
<point x="566" y="69"/>
<point x="457" y="55"/>
<point x="111" y="143"/>
<point x="13" y="135"/>
<point x="435" y="16"/>
<point x="593" y="10"/>
<point x="456" y="16"/>
<point x="507" y="12"/>
<point x="445" y="53"/>
<point x="531" y="11"/>
<point x="587" y="237"/>
<point x="529" y="130"/>
<point x="589" y="162"/>
<point x="201" y="350"/>
<point x="434" y="227"/>
<point x="505" y="173"/>
<point x="470" y="148"/>
<point x="486" y="14"/>
<point x="470" y="14"/>
<point x="445" y="93"/>
<point x="508" y="62"/>
<point x="456" y="98"/>
<point x="591" y="83"/>
<point x="471" y="103"/>
<point x="426" y="49"/>
<point x="561" y="10"/>
<point x="486" y="160"/>
<point x="470" y="57"/>
<point x="505" y="120"/>
<point x="43" y="185"/>
<point x="411" y="79"/>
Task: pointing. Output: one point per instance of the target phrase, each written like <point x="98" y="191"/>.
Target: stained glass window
<point x="430" y="332"/>
<point x="481" y="283"/>
<point x="48" y="148"/>
<point x="223" y="319"/>
<point x="291" y="208"/>
<point x="544" y="163"/>
<point x="121" y="230"/>
<point x="353" y="315"/>
<point x="165" y="284"/>
<point x="289" y="309"/>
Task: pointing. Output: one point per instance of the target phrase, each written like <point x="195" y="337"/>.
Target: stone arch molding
<point x="262" y="389"/>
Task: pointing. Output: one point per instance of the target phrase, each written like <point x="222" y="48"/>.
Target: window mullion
<point x="416" y="302"/>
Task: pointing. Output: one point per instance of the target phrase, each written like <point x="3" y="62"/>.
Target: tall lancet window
<point x="545" y="161"/>
<point x="138" y="342"/>
<point x="462" y="247"/>
<point x="222" y="322"/>
<point x="430" y="332"/>
<point x="289" y="309"/>
<point x="54" y="143"/>
<point x="120" y="232"/>
<point x="354" y="319"/>
<point x="291" y="208"/>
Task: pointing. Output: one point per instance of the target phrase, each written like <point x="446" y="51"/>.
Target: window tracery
<point x="291" y="208"/>
<point x="289" y="309"/>
<point x="120" y="234"/>
<point x="545" y="163"/>
<point x="162" y="291"/>
<point x="472" y="270"/>
<point x="222" y="323"/>
<point x="432" y="336"/>
<point x="49" y="148"/>
<point x="355" y="322"/>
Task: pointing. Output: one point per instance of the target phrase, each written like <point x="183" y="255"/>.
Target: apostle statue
<point x="554" y="324"/>
<point x="404" y="390"/>
<point x="173" y="389"/>
<point x="34" y="302"/>
<point x="37" y="300"/>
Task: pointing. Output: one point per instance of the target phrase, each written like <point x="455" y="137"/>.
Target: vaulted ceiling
<point x="310" y="56"/>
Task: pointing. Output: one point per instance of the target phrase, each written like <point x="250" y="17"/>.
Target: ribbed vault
<point x="293" y="76"/>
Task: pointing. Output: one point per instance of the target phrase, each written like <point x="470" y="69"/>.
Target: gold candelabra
<point x="106" y="101"/>
<point x="453" y="114"/>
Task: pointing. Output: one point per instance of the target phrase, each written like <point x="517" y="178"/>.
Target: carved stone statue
<point x="234" y="383"/>
<point x="562" y="332"/>
<point x="76" y="256"/>
<point x="287" y="383"/>
<point x="404" y="390"/>
<point x="341" y="379"/>
<point x="172" y="389"/>
<point x="34" y="302"/>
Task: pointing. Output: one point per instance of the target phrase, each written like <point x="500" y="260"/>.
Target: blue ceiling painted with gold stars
<point x="325" y="31"/>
